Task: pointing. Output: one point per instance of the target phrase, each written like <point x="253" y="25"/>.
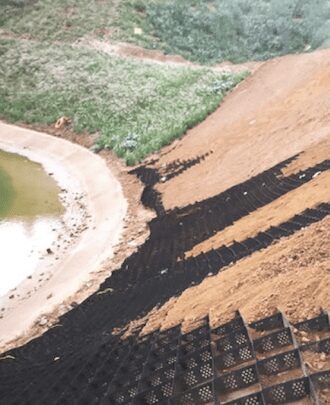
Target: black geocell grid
<point x="190" y="368"/>
<point x="93" y="364"/>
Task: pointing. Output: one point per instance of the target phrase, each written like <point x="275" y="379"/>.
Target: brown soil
<point x="281" y="110"/>
<point x="324" y="396"/>
<point x="304" y="337"/>
<point x="274" y="352"/>
<point x="126" y="50"/>
<point x="291" y="275"/>
<point x="316" y="362"/>
<point x="275" y="213"/>
<point x="281" y="377"/>
<point x="231" y="396"/>
<point x="310" y="157"/>
<point x="305" y="401"/>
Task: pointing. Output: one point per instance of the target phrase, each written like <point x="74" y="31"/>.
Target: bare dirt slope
<point x="280" y="210"/>
<point x="292" y="276"/>
<point x="282" y="109"/>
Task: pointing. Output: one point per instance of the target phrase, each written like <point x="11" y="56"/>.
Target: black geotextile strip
<point x="84" y="342"/>
<point x="35" y="389"/>
<point x="223" y="255"/>
<point x="150" y="176"/>
<point x="188" y="368"/>
<point x="177" y="231"/>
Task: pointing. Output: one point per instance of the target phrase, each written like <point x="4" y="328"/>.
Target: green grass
<point x="205" y="31"/>
<point x="238" y="30"/>
<point x="200" y="30"/>
<point x="57" y="20"/>
<point x="135" y="107"/>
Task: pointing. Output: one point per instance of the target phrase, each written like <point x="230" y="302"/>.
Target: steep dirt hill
<point x="279" y="111"/>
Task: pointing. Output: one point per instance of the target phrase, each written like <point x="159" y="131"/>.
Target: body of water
<point x="30" y="213"/>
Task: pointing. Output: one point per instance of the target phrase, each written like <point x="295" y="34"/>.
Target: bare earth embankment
<point x="281" y="110"/>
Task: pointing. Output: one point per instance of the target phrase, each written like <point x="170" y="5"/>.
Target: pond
<point x="30" y="214"/>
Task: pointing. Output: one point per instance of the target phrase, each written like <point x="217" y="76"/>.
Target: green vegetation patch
<point x="235" y="30"/>
<point x="135" y="107"/>
<point x="55" y="20"/>
<point x="204" y="31"/>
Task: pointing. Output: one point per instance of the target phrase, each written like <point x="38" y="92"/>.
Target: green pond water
<point x="30" y="217"/>
<point x="26" y="190"/>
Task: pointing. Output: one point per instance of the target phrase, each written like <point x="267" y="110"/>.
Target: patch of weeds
<point x="57" y="20"/>
<point x="135" y="107"/>
<point x="236" y="30"/>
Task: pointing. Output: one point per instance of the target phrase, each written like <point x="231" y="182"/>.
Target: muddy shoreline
<point x="90" y="227"/>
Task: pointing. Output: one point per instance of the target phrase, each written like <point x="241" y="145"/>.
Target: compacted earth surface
<point x="237" y="213"/>
<point x="280" y="111"/>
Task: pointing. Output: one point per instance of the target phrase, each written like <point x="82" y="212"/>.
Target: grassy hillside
<point x="135" y="107"/>
<point x="200" y="30"/>
<point x="138" y="107"/>
<point x="237" y="30"/>
<point x="50" y="20"/>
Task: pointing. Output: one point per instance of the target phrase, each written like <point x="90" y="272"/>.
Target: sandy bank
<point x="96" y="207"/>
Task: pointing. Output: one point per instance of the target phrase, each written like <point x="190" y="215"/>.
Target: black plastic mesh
<point x="194" y="376"/>
<point x="279" y="363"/>
<point x="321" y="380"/>
<point x="272" y="322"/>
<point x="319" y="346"/>
<point x="233" y="340"/>
<point x="238" y="379"/>
<point x="274" y="341"/>
<point x="287" y="392"/>
<point x="96" y="364"/>
<point x="202" y="395"/>
<point x="319" y="323"/>
<point x="234" y="357"/>
<point x="253" y="399"/>
<point x="236" y="324"/>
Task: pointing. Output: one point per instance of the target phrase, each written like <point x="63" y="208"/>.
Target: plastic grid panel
<point x="157" y="378"/>
<point x="169" y="334"/>
<point x="279" y="363"/>
<point x="157" y="395"/>
<point x="195" y="359"/>
<point x="202" y="395"/>
<point x="320" y="346"/>
<point x="193" y="376"/>
<point x="290" y="391"/>
<point x="253" y="399"/>
<point x="169" y="347"/>
<point x="272" y="322"/>
<point x="194" y="345"/>
<point x="124" y="396"/>
<point x="196" y="334"/>
<point x="234" y="357"/>
<point x="238" y="379"/>
<point x="236" y="324"/>
<point x="159" y="357"/>
<point x="318" y="323"/>
<point x="233" y="340"/>
<point x="273" y="341"/>
<point x="321" y="380"/>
